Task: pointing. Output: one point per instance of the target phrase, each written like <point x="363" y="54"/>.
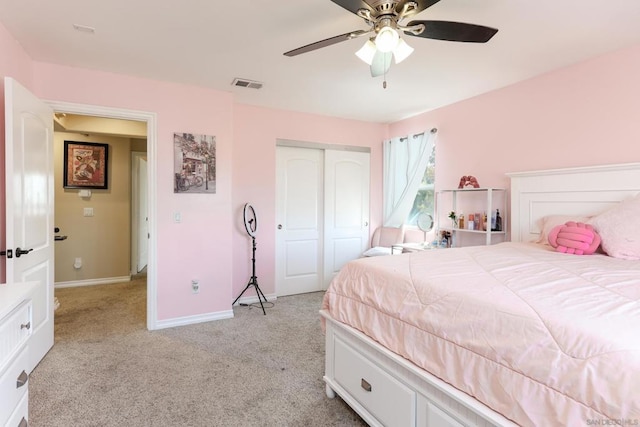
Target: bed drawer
<point x="390" y="401"/>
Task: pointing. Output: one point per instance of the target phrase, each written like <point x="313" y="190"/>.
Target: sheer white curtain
<point x="405" y="160"/>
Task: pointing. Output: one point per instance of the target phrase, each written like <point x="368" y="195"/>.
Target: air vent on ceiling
<point x="84" y="28"/>
<point x="246" y="83"/>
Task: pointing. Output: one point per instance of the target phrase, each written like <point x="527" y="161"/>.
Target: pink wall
<point x="198" y="247"/>
<point x="16" y="64"/>
<point x="581" y="115"/>
<point x="254" y="176"/>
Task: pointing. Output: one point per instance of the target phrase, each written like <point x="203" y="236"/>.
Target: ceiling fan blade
<point x="353" y="5"/>
<point x="327" y="42"/>
<point x="422" y="5"/>
<point x="453" y="31"/>
<point x="381" y="63"/>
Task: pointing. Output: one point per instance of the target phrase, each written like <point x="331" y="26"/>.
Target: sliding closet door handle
<point x="22" y="379"/>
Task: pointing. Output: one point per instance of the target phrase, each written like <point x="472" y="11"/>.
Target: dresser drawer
<point x="390" y="401"/>
<point x="15" y="328"/>
<point x="11" y="393"/>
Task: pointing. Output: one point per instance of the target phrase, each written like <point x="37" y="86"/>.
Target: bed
<point x="509" y="334"/>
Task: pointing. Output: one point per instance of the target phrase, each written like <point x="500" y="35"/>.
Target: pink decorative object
<point x="468" y="180"/>
<point x="574" y="238"/>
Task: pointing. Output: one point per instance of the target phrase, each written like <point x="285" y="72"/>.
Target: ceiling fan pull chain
<point x="384" y="82"/>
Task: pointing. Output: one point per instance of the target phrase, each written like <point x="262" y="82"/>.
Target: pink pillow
<point x="574" y="238"/>
<point x="620" y="229"/>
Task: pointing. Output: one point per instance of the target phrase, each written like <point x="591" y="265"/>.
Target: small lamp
<point x="367" y="52"/>
<point x="402" y="51"/>
<point x="387" y="39"/>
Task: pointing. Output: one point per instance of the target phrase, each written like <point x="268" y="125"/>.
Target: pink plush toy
<point x="574" y="238"/>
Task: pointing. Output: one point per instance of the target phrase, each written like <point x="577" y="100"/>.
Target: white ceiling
<point x="210" y="42"/>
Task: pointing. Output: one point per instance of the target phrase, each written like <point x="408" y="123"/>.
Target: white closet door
<point x="299" y="207"/>
<point x="346" y="209"/>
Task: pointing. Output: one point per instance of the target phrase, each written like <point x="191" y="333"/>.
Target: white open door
<point x="346" y="204"/>
<point x="30" y="206"/>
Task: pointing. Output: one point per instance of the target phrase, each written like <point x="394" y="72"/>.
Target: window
<point x="425" y="197"/>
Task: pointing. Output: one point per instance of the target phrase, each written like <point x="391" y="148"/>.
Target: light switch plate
<point x="88" y="211"/>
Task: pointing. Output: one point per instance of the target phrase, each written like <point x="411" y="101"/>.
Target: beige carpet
<point x="106" y="369"/>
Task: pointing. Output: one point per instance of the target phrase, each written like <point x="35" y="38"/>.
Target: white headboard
<point x="582" y="191"/>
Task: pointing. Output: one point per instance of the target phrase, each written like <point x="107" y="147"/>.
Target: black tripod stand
<point x="254" y="280"/>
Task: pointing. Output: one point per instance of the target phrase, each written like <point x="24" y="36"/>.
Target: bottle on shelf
<point x="498" y="224"/>
<point x="461" y="221"/>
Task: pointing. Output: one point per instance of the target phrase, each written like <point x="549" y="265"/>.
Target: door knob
<point x="20" y="252"/>
<point x="279" y="226"/>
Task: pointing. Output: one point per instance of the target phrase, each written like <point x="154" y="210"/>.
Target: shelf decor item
<point x="468" y="180"/>
<point x="454" y="219"/>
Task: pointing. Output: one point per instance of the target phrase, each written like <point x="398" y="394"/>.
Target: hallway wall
<point x="103" y="240"/>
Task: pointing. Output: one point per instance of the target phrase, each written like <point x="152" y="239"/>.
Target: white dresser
<point x="15" y="329"/>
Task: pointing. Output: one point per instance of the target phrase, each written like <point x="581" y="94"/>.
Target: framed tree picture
<point x="85" y="165"/>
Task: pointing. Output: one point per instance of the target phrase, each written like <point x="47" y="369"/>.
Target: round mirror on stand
<point x="425" y="223"/>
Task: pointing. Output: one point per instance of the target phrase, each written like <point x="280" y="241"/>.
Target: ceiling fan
<point x="384" y="18"/>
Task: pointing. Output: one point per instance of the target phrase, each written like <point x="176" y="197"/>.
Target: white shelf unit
<point x="461" y="199"/>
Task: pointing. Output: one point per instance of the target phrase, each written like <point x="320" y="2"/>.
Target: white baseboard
<point x="190" y="320"/>
<point x="91" y="282"/>
<point x="208" y="317"/>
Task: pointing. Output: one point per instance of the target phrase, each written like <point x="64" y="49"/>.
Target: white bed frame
<point x="386" y="389"/>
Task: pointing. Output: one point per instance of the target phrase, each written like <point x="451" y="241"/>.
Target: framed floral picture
<point x="85" y="165"/>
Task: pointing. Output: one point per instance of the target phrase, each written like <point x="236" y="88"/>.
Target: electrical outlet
<point x="195" y="286"/>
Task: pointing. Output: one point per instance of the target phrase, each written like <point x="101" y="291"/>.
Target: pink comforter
<point x="542" y="337"/>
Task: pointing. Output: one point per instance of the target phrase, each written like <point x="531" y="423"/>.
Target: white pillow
<point x="619" y="229"/>
<point x="548" y="222"/>
<point x="377" y="251"/>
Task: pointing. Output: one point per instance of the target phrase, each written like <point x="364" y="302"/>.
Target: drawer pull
<point x="23" y="422"/>
<point x="25" y="325"/>
<point x="365" y="384"/>
<point x="22" y="379"/>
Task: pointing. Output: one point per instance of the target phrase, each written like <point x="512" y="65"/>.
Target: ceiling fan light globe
<point x="387" y="39"/>
<point x="402" y="51"/>
<point x="367" y="52"/>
